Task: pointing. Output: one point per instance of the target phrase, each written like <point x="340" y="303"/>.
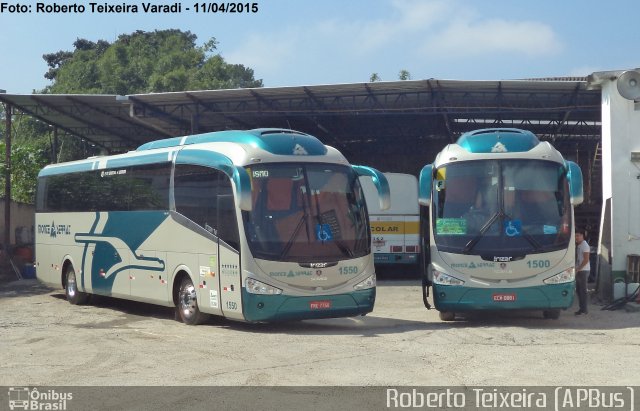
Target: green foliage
<point x="30" y="151"/>
<point x="374" y="77"/>
<point x="144" y="62"/>
<point x="140" y="62"/>
<point x="404" y="75"/>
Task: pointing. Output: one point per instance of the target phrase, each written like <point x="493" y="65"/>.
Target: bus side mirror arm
<point x="243" y="188"/>
<point x="381" y="183"/>
<point x="574" y="175"/>
<point x="424" y="185"/>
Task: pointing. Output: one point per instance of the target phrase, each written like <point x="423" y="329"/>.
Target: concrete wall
<point x="22" y="218"/>
<point x="621" y="176"/>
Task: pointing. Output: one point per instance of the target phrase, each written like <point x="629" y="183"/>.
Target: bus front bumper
<point x="543" y="297"/>
<point x="272" y="308"/>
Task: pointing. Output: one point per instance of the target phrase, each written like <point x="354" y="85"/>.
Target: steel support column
<point x="7" y="177"/>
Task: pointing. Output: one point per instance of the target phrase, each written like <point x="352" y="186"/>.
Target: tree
<point x="374" y="77"/>
<point x="30" y="151"/>
<point x="140" y="62"/>
<point x="404" y="75"/>
<point x="144" y="62"/>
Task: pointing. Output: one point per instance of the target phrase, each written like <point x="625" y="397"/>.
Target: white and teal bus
<point x="260" y="225"/>
<point x="501" y="233"/>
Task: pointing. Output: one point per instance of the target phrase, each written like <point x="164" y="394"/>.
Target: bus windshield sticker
<point x="549" y="229"/>
<point x="513" y="228"/>
<point x="451" y="226"/>
<point x="440" y="185"/>
<point x="323" y="232"/>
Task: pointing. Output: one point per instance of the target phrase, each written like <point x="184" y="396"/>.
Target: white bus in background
<point x="258" y="225"/>
<point x="395" y="232"/>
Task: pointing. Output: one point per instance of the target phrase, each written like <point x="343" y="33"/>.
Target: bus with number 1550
<point x="258" y="226"/>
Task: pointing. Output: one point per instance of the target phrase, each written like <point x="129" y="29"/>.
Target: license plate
<point x="504" y="297"/>
<point x="320" y="305"/>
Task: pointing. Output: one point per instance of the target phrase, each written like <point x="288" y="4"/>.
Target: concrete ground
<point x="44" y="340"/>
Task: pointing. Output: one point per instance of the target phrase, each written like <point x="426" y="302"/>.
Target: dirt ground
<point x="46" y="341"/>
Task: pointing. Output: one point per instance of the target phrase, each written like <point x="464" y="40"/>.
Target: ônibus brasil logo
<point x="23" y="398"/>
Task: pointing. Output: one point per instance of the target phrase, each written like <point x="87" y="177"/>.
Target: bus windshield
<point x="517" y="206"/>
<point x="306" y="212"/>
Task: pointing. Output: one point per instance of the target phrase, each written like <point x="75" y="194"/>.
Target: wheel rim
<point x="72" y="287"/>
<point x="188" y="301"/>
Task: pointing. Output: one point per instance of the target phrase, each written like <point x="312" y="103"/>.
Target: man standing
<point x="582" y="270"/>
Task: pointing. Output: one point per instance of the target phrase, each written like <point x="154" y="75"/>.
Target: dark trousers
<point x="581" y="289"/>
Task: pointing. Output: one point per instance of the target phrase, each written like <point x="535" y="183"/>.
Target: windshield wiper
<point x="469" y="246"/>
<point x="346" y="251"/>
<point x="289" y="244"/>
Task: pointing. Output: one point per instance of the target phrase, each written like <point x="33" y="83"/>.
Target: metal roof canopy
<point x="396" y="126"/>
<point x="343" y="115"/>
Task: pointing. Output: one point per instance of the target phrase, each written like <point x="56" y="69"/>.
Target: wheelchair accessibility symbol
<point x="513" y="228"/>
<point x="323" y="232"/>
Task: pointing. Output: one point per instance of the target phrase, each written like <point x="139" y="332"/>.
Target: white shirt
<point x="582" y="248"/>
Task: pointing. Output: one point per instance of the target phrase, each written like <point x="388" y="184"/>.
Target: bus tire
<point x="187" y="304"/>
<point x="74" y="296"/>
<point x="447" y="315"/>
<point x="551" y="314"/>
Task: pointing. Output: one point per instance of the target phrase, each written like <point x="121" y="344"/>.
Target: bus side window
<point x="148" y="187"/>
<point x="205" y="196"/>
<point x="195" y="191"/>
<point x="228" y="225"/>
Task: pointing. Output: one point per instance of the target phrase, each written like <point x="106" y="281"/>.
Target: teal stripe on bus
<point x="66" y="169"/>
<point x="156" y="158"/>
<point x="257" y="307"/>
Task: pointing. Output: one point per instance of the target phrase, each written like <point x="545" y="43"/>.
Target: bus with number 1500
<point x="500" y="233"/>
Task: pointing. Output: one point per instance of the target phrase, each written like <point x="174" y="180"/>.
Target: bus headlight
<point x="445" y="279"/>
<point x="368" y="282"/>
<point x="254" y="286"/>
<point x="566" y="276"/>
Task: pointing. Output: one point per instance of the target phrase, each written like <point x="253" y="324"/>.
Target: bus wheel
<point x="187" y="308"/>
<point x="71" y="289"/>
<point x="447" y="316"/>
<point x="551" y="314"/>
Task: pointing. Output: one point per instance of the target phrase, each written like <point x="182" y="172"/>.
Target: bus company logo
<point x="23" y="398"/>
<point x="499" y="148"/>
<point x="502" y="259"/>
<point x="53" y="230"/>
<point x="110" y="173"/>
<point x="298" y="150"/>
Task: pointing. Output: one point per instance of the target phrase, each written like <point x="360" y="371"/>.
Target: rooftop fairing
<point x="498" y="140"/>
<point x="275" y="141"/>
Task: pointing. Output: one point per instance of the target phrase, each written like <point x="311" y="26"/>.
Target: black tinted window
<point x="204" y="195"/>
<point x="125" y="189"/>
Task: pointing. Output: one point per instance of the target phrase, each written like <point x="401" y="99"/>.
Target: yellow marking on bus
<point x="395" y="227"/>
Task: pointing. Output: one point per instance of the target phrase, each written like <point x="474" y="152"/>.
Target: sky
<point x="310" y="42"/>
